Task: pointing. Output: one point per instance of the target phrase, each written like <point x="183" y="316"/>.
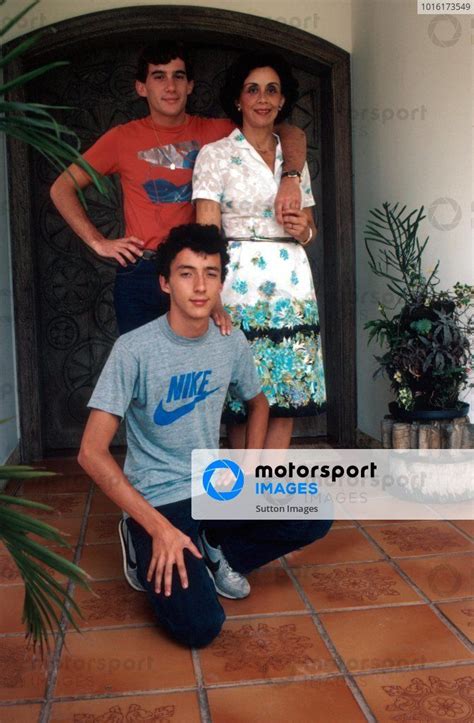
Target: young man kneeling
<point x="169" y="380"/>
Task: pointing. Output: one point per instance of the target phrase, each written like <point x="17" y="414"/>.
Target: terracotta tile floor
<point x="372" y="623"/>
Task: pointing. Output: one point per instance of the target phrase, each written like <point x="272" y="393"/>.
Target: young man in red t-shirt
<point x="154" y="157"/>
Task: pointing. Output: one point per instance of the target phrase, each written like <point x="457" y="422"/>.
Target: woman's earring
<point x="239" y="107"/>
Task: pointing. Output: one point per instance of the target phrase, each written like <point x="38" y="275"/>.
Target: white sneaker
<point x="227" y="581"/>
<point x="129" y="557"/>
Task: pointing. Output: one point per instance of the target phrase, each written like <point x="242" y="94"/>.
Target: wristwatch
<point x="291" y="174"/>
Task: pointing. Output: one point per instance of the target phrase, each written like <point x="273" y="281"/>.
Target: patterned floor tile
<point x="69" y="528"/>
<point x="360" y="585"/>
<point x="59" y="484"/>
<point x="419" y="538"/>
<point x="166" y="708"/>
<point x="462" y="615"/>
<point x="342" y="545"/>
<point x="20" y="714"/>
<point x="102" y="505"/>
<point x="392" y="637"/>
<point x="11" y="609"/>
<point x="10" y="575"/>
<point x="103" y="562"/>
<point x="428" y="695"/>
<point x="277" y="647"/>
<point x="21" y="676"/>
<point x="443" y="576"/>
<point x="102" y="528"/>
<point x="113" y="661"/>
<point x="63" y="505"/>
<point x="112" y="603"/>
<point x="315" y="701"/>
<point x="272" y="592"/>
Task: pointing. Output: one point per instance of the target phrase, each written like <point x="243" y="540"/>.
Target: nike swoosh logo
<point x="213" y="566"/>
<point x="163" y="416"/>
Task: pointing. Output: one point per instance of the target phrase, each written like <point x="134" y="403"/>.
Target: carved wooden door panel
<point x="75" y="313"/>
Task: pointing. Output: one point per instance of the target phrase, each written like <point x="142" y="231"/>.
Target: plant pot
<point x="427" y="415"/>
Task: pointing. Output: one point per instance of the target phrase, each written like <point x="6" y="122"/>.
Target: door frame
<point x="146" y="23"/>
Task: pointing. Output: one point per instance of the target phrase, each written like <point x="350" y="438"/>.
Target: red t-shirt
<point x="155" y="165"/>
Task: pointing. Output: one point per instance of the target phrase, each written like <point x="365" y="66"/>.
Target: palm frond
<point x="20" y="120"/>
<point x="9" y="472"/>
<point x="45" y="598"/>
<point x="395" y="251"/>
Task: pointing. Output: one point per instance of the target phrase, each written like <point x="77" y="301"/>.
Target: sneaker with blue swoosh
<point x="129" y="557"/>
<point x="228" y="582"/>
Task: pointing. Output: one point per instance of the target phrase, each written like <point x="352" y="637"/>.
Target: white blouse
<point x="233" y="174"/>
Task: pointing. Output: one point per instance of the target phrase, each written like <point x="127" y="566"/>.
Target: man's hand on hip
<point x="124" y="250"/>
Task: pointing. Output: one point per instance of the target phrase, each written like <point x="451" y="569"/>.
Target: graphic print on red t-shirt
<point x="172" y="156"/>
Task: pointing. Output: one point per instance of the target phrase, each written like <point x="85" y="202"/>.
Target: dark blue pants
<point x="195" y="616"/>
<point x="138" y="297"/>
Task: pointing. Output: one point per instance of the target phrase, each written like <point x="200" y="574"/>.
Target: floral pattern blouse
<point x="233" y="174"/>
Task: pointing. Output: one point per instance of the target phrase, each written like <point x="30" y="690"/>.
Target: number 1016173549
<point x="441" y="8"/>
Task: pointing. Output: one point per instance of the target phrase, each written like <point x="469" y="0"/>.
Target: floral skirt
<point x="269" y="293"/>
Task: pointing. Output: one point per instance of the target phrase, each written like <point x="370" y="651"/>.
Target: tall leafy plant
<point x="46" y="599"/>
<point x="33" y="123"/>
<point x="428" y="342"/>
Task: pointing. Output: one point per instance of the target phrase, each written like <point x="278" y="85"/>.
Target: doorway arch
<point x="107" y="31"/>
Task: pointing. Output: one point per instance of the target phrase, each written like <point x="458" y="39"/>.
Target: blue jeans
<point x="138" y="297"/>
<point x="195" y="616"/>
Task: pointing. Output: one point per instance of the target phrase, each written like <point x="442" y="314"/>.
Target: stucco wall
<point x="330" y="19"/>
<point x="411" y="91"/>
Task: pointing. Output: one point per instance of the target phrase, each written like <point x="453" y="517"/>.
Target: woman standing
<point x="269" y="290"/>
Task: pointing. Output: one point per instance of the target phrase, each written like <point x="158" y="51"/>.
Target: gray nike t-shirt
<point x="171" y="391"/>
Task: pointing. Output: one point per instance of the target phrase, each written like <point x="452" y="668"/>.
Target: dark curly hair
<point x="199" y="238"/>
<point x="241" y="69"/>
<point x="162" y="53"/>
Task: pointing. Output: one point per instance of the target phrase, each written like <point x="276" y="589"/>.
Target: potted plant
<point x="427" y="334"/>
